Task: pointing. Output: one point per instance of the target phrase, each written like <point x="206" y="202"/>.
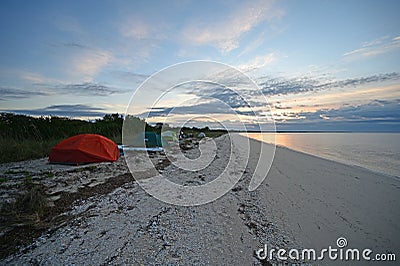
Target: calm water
<point x="379" y="152"/>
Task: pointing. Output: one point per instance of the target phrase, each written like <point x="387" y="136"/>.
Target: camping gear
<point x="169" y="136"/>
<point x="143" y="140"/>
<point x="152" y="140"/>
<point x="125" y="148"/>
<point x="84" y="148"/>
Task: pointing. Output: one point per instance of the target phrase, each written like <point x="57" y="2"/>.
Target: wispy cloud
<point x="254" y="44"/>
<point x="89" y="63"/>
<point x="258" y="62"/>
<point x="7" y="93"/>
<point x="375" y="47"/>
<point x="375" y="115"/>
<point x="71" y="45"/>
<point x="135" y="29"/>
<point x="282" y="86"/>
<point x="139" y="29"/>
<point x="92" y="89"/>
<point x="225" y="33"/>
<point x="36" y="77"/>
<point x="131" y="77"/>
<point x="83" y="61"/>
<point x="375" y="110"/>
<point x="74" y="110"/>
<point x="45" y="89"/>
<point x="48" y="88"/>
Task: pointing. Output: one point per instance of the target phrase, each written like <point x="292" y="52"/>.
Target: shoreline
<point x="343" y="173"/>
<point x="387" y="175"/>
<point x="337" y="158"/>
<point x="305" y="202"/>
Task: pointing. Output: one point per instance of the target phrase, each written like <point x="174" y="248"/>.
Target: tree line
<point x="22" y="127"/>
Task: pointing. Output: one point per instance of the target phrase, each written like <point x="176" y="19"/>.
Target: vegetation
<point x="24" y="137"/>
<point x="211" y="133"/>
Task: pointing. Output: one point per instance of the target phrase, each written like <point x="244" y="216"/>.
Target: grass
<point x="14" y="151"/>
<point x="28" y="179"/>
<point x="12" y="172"/>
<point x="28" y="208"/>
<point x="25" y="218"/>
<point x="215" y="133"/>
<point x="48" y="174"/>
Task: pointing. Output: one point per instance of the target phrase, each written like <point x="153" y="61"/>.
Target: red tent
<point x="84" y="148"/>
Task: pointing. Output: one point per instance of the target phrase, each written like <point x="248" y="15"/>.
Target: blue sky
<point x="322" y="65"/>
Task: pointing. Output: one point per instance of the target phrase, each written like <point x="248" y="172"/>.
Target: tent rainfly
<point x="84" y="148"/>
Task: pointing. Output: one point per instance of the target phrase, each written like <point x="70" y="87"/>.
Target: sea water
<point x="379" y="152"/>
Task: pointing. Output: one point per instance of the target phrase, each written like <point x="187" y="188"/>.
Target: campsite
<point x="76" y="168"/>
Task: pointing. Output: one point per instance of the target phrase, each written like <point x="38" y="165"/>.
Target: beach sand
<point x="305" y="202"/>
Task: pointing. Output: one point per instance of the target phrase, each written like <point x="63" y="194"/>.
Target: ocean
<point x="379" y="152"/>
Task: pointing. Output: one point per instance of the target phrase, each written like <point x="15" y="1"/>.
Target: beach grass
<point x="13" y="150"/>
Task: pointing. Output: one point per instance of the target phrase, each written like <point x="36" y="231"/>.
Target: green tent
<point x="152" y="140"/>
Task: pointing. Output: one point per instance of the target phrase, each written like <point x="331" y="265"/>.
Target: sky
<point x="321" y="65"/>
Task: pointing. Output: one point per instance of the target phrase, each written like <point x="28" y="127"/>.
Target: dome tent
<point x="84" y="148"/>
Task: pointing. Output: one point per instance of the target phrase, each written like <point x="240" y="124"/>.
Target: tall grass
<point x="24" y="137"/>
<point x="15" y="150"/>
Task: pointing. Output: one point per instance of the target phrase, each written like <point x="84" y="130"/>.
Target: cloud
<point x="246" y="97"/>
<point x="131" y="77"/>
<point x="382" y="110"/>
<point x="87" y="88"/>
<point x="253" y="45"/>
<point x="376" y="110"/>
<point x="36" y="78"/>
<point x="212" y="107"/>
<point x="89" y="63"/>
<point x="376" y="115"/>
<point x="84" y="61"/>
<point x="140" y="38"/>
<point x="375" y="47"/>
<point x="138" y="29"/>
<point x="13" y="93"/>
<point x="258" y="62"/>
<point x="74" y="110"/>
<point x="283" y="86"/>
<point x="224" y="34"/>
<point x="71" y="45"/>
<point x="80" y="89"/>
<point x="223" y="93"/>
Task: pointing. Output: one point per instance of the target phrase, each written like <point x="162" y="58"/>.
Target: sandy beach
<point x="305" y="202"/>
